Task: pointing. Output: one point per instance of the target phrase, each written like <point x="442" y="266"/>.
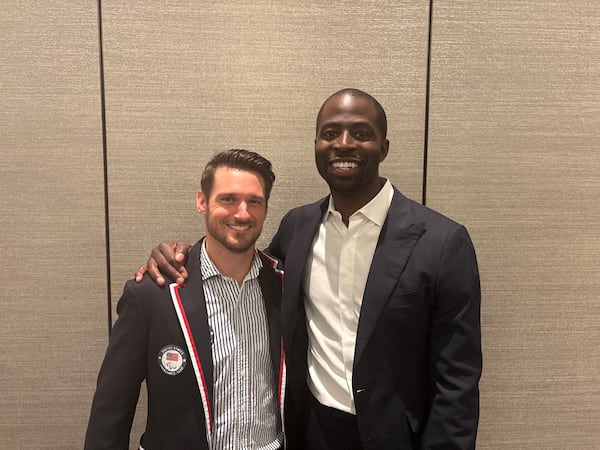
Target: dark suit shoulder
<point x="296" y="222"/>
<point x="421" y="213"/>
<point x="309" y="209"/>
<point x="440" y="228"/>
<point x="145" y="295"/>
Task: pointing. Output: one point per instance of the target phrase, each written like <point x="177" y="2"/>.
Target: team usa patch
<point x="172" y="359"/>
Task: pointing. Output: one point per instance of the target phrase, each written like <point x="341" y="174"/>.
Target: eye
<point x="256" y="202"/>
<point x="328" y="134"/>
<point x="362" y="135"/>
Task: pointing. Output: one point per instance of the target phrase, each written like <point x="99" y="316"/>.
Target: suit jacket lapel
<point x="296" y="257"/>
<point x="397" y="239"/>
<point x="270" y="280"/>
<point x="193" y="318"/>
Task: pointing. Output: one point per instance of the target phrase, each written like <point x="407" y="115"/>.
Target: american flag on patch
<point x="172" y="356"/>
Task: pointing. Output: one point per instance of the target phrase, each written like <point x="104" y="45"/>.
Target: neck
<point x="347" y="203"/>
<point x="230" y="264"/>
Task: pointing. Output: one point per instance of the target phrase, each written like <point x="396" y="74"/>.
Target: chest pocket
<point x="407" y="312"/>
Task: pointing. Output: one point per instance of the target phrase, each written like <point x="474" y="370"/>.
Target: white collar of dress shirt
<point x="376" y="210"/>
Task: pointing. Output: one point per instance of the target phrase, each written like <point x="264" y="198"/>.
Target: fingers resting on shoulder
<point x="167" y="260"/>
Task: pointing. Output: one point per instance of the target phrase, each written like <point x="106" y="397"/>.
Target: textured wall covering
<point x="515" y="127"/>
<point x="53" y="271"/>
<point x="187" y="79"/>
<point x="513" y="154"/>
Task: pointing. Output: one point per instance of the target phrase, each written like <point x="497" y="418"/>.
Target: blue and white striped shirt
<point x="245" y="404"/>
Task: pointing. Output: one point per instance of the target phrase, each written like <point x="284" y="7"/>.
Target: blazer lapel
<point x="397" y="239"/>
<point x="271" y="283"/>
<point x="190" y="306"/>
<point x="296" y="256"/>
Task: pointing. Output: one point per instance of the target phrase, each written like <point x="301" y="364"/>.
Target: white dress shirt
<point x="336" y="275"/>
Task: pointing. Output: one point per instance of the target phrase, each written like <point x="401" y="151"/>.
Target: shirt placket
<point x="346" y="293"/>
<point x="243" y="369"/>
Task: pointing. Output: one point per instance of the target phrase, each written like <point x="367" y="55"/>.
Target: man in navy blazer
<point x="417" y="359"/>
<point x="198" y="343"/>
<point x="381" y="304"/>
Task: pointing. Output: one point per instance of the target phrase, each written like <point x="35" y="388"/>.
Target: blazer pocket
<point x="407" y="314"/>
<point x="407" y="299"/>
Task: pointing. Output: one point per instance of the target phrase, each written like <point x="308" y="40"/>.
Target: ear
<point x="201" y="203"/>
<point x="385" y="148"/>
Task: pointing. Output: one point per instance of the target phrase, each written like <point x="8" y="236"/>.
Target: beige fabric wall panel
<point x="515" y="126"/>
<point x="187" y="79"/>
<point x="53" y="304"/>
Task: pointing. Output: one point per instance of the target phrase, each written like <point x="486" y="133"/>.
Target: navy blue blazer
<point x="417" y="360"/>
<point x="162" y="336"/>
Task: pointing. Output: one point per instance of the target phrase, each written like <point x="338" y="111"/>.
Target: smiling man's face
<point x="349" y="145"/>
<point x="236" y="210"/>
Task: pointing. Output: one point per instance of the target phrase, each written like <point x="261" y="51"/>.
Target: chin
<point x="345" y="185"/>
<point x="240" y="247"/>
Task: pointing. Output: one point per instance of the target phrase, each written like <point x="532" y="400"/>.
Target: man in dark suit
<point x="210" y="350"/>
<point x="381" y="305"/>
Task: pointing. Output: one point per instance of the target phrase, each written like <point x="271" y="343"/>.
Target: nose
<point x="344" y="140"/>
<point x="242" y="211"/>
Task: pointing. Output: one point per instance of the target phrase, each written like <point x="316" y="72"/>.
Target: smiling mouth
<point x="344" y="165"/>
<point x="239" y="227"/>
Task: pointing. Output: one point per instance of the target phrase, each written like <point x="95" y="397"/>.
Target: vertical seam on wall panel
<point x="105" y="164"/>
<point x="427" y="86"/>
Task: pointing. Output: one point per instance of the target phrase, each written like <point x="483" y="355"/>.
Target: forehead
<point x="229" y="180"/>
<point x="348" y="107"/>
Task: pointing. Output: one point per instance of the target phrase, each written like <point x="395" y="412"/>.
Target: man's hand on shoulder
<point x="167" y="259"/>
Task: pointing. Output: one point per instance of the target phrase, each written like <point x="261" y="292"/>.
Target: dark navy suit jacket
<point x="180" y="405"/>
<point x="417" y="360"/>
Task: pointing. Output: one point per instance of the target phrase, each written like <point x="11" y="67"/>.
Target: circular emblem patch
<point x="172" y="359"/>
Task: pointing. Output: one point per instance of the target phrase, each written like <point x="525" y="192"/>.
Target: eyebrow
<point x="237" y="194"/>
<point x="353" y="124"/>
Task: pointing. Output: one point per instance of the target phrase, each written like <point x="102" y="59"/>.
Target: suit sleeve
<point x="120" y="377"/>
<point x="455" y="351"/>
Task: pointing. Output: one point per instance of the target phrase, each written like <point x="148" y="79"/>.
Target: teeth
<point x="344" y="165"/>
<point x="239" y="227"/>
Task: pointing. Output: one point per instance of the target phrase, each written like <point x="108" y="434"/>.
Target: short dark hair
<point x="381" y="117"/>
<point x="242" y="160"/>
